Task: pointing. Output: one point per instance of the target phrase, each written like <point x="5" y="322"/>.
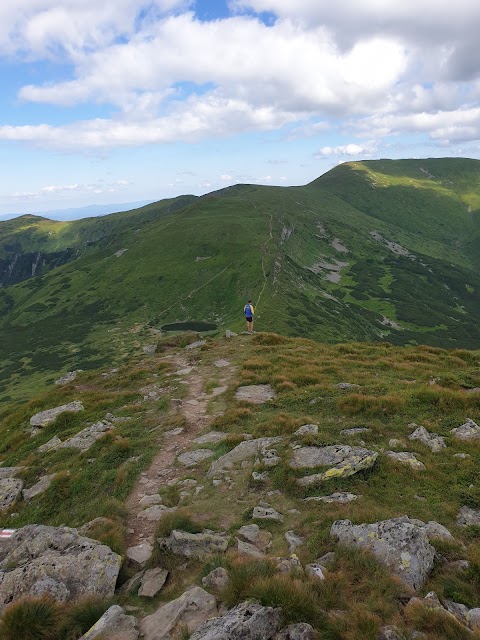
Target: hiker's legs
<point x="250" y="326"/>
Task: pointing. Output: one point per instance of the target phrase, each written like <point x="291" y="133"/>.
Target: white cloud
<point x="65" y="189"/>
<point x="352" y="149"/>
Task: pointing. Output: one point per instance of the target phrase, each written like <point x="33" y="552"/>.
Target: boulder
<point x="293" y="540"/>
<point x="216" y="580"/>
<point x="155" y="512"/>
<point x="343" y="460"/>
<point x="194" y="545"/>
<point x="9" y="472"/>
<point x="75" y="566"/>
<point x="140" y="553"/>
<point x="435" y="442"/>
<point x="266" y="513"/>
<point x="255" y="393"/>
<point x="10" y="491"/>
<point x="248" y="549"/>
<point x="405" y="457"/>
<point x="113" y="625"/>
<point x="339" y="497"/>
<point x="315" y="570"/>
<point x="252" y="533"/>
<point x="84" y="439"/>
<point x="40" y="487"/>
<point x="133" y="584"/>
<point x="468" y="516"/>
<point x="299" y="631"/>
<point x="50" y="445"/>
<point x="398" y="542"/>
<point x="191" y="458"/>
<point x="355" y="431"/>
<point x="246" y="621"/>
<point x="242" y="452"/>
<point x="196" y="344"/>
<point x="152" y="582"/>
<point x="307" y="429"/>
<point x="46" y="417"/>
<point x="191" y="610"/>
<point x="468" y="431"/>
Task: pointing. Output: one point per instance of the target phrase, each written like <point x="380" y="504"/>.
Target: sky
<point x="123" y="100"/>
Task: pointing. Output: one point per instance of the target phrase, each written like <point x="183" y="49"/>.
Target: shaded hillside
<point x="382" y="250"/>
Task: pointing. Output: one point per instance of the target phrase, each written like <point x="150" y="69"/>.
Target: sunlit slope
<point x="370" y="251"/>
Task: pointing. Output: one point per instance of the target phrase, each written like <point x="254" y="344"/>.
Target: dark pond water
<point x="189" y="326"/>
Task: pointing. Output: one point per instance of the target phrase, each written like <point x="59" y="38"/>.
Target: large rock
<point x="242" y="452"/>
<point x="343" y="460"/>
<point x="152" y="582"/>
<point x="9" y="472"/>
<point x="299" y="631"/>
<point x="10" y="490"/>
<point x="191" y="458"/>
<point x="246" y="621"/>
<point x="189" y="611"/>
<point x="140" y="554"/>
<point x="255" y="393"/>
<point x="468" y="431"/>
<point x="407" y="458"/>
<point x="468" y="516"/>
<point x="435" y="442"/>
<point x="59" y="558"/>
<point x="194" y="545"/>
<point x="398" y="542"/>
<point x="40" y="487"/>
<point x="87" y="437"/>
<point x="113" y="625"/>
<point x="50" y="445"/>
<point x="46" y="417"/>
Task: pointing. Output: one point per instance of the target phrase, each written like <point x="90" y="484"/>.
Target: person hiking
<point x="248" y="310"/>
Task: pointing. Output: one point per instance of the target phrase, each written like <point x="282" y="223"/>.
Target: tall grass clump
<point x="31" y="619"/>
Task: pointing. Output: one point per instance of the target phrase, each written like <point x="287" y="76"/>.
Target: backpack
<point x="248" y="311"/>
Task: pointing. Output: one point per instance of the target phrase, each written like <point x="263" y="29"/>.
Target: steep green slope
<point x="382" y="250"/>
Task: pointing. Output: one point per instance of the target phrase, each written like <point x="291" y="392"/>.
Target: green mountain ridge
<point x="371" y="251"/>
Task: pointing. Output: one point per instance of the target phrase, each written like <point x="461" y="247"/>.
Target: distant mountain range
<point x="77" y="213"/>
<point x="371" y="251"/>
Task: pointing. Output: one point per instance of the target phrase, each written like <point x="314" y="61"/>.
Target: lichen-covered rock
<point x="255" y="393"/>
<point x="468" y="516"/>
<point x="113" y="625"/>
<point x="435" y="442"/>
<point x="80" y="566"/>
<point x="242" y="452"/>
<point x="406" y="457"/>
<point x="194" y="545"/>
<point x="343" y="461"/>
<point x="398" y="542"/>
<point x="217" y="579"/>
<point x="46" y="417"/>
<point x="468" y="431"/>
<point x="189" y="611"/>
<point x="245" y="621"/>
<point x="10" y="490"/>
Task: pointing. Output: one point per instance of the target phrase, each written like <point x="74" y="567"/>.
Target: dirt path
<point x="163" y="468"/>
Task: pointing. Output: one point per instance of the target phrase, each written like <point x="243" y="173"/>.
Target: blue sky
<point x="130" y="100"/>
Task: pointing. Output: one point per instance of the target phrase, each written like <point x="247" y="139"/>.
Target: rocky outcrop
<point x="191" y="610"/>
<point x="113" y="625"/>
<point x="435" y="442"/>
<point x="407" y="458"/>
<point x="44" y="418"/>
<point x="87" y="437"/>
<point x="467" y="432"/>
<point x="343" y="460"/>
<point x="398" y="542"/>
<point x="10" y="491"/>
<point x="246" y="621"/>
<point x="40" y="560"/>
<point x="242" y="452"/>
<point x="194" y="545"/>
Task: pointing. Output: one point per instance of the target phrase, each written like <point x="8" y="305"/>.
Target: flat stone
<point x="345" y="386"/>
<point x="10" y="491"/>
<point x="154" y="513"/>
<point x="87" y="437"/>
<point x="43" y="418"/>
<point x="307" y="429"/>
<point x="343" y="460"/>
<point x="9" y="472"/>
<point x="340" y="497"/>
<point x="468" y="516"/>
<point x="191" y="458"/>
<point x="211" y="437"/>
<point x="218" y="391"/>
<point x="435" y="442"/>
<point x="194" y="545"/>
<point x="152" y="582"/>
<point x="293" y="540"/>
<point x="50" y="445"/>
<point x="242" y="452"/>
<point x="353" y="432"/>
<point x="221" y="363"/>
<point x="67" y="377"/>
<point x="174" y="432"/>
<point x="184" y="372"/>
<point x="256" y="536"/>
<point x="196" y="344"/>
<point x="40" y="487"/>
<point x="132" y="585"/>
<point x="467" y="432"/>
<point x="246" y="621"/>
<point x="395" y="442"/>
<point x="462" y="456"/>
<point x="113" y="625"/>
<point x="150" y="500"/>
<point x="140" y="553"/>
<point x="248" y="549"/>
<point x="405" y="457"/>
<point x="255" y="394"/>
<point x="266" y="513"/>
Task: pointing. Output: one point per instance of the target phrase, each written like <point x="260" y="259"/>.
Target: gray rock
<point x="9" y="472"/>
<point x="436" y="530"/>
<point x="460" y="611"/>
<point x="256" y="393"/>
<point x="149" y="349"/>
<point x="343" y="460"/>
<point x="84" y="439"/>
<point x="10" y="491"/>
<point x="230" y="334"/>
<point x="140" y="553"/>
<point x="474" y="619"/>
<point x="266" y="513"/>
<point x="355" y="431"/>
<point x="191" y="458"/>
<point x="315" y="570"/>
<point x="402" y="545"/>
<point x="191" y="610"/>
<point x="395" y="442"/>
<point x="467" y="432"/>
<point x="289" y="565"/>
<point x="468" y="516"/>
<point x="50" y="445"/>
<point x="340" y="497"/>
<point x="196" y="344"/>
<point x="435" y="442"/>
<point x="248" y="549"/>
<point x="46" y="417"/>
<point x="40" y="487"/>
<point x="221" y="363"/>
<point x="113" y="625"/>
<point x="152" y="582"/>
<point x="35" y="552"/>
<point x="47" y="586"/>
<point x="299" y="631"/>
<point x="241" y="452"/>
<point x="68" y="377"/>
<point x="390" y="633"/>
<point x="216" y="579"/>
<point x="327" y="558"/>
<point x="406" y="457"/>
<point x="462" y="456"/>
<point x="155" y="513"/>
<point x="293" y="540"/>
<point x="246" y="621"/>
<point x="133" y="584"/>
<point x="211" y="437"/>
<point x="194" y="545"/>
<point x="256" y="536"/>
<point x="307" y="429"/>
<point x="345" y="386"/>
<point x="150" y="500"/>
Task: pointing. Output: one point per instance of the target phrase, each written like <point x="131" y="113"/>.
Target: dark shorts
<point x="248" y="319"/>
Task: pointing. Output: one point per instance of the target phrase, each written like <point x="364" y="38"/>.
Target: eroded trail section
<point x="144" y="504"/>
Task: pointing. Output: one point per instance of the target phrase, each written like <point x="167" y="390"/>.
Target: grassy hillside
<point x="381" y="250"/>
